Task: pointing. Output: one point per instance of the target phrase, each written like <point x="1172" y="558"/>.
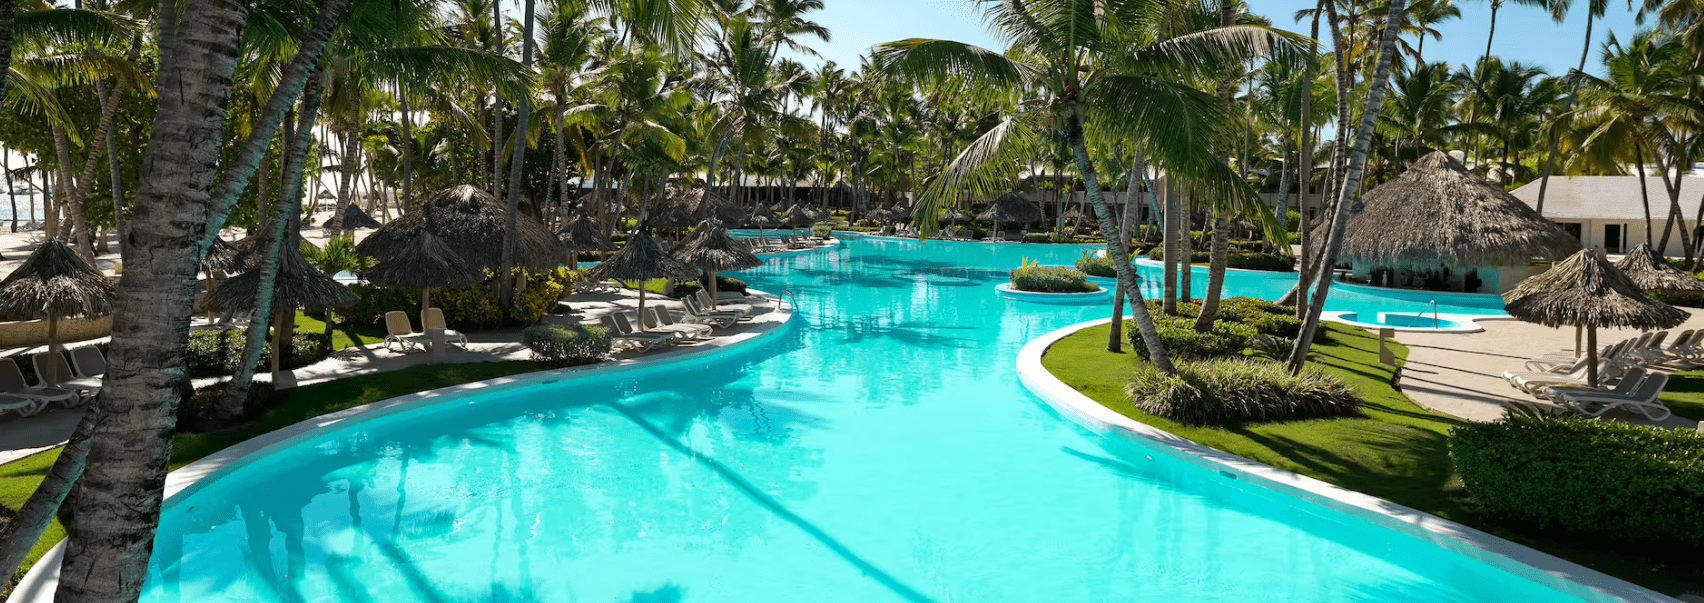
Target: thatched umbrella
<point x="1651" y="273"/>
<point x="354" y="217"/>
<point x="55" y="282"/>
<point x="641" y="259"/>
<point x="718" y="208"/>
<point x="1011" y="207"/>
<point x="955" y="216"/>
<point x="298" y="285"/>
<point x="1586" y="291"/>
<point x="424" y="263"/>
<point x="582" y="234"/>
<point x="712" y="249"/>
<point x="1438" y="212"/>
<point x="670" y="215"/>
<point x="880" y="214"/>
<point x="221" y="256"/>
<point x="796" y="216"/>
<point x="474" y="224"/>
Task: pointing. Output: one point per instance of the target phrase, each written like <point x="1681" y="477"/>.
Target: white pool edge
<point x="1548" y="570"/>
<point x="39" y="584"/>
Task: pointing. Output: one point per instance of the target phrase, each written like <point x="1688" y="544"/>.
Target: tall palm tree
<point x="1594" y="9"/>
<point x="1079" y="64"/>
<point x="1485" y="60"/>
<point x="1419" y="106"/>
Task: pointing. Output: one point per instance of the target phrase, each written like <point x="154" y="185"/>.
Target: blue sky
<point x="1523" y="33"/>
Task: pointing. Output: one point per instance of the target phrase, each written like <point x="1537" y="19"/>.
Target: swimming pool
<point x="878" y="449"/>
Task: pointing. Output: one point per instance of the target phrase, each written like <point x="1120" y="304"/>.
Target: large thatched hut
<point x="1011" y="207"/>
<point x="1441" y="226"/>
<point x="473" y="223"/>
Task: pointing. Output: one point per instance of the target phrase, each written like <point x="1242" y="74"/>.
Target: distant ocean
<point x="24" y="202"/>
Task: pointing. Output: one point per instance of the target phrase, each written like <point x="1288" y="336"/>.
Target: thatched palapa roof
<point x="796" y="216"/>
<point x="763" y="217"/>
<point x="55" y="281"/>
<point x="471" y="222"/>
<point x="1438" y="212"/>
<point x="1585" y="290"/>
<point x="711" y="248"/>
<point x="1651" y="273"/>
<point x="221" y="257"/>
<point x="670" y="215"/>
<point x="355" y="217"/>
<point x="640" y="259"/>
<point x="582" y="234"/>
<point x="1011" y="207"/>
<point x="425" y="262"/>
<point x="299" y="285"/>
<point x="955" y="215"/>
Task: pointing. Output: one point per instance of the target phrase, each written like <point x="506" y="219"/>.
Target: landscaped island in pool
<point x="878" y="449"/>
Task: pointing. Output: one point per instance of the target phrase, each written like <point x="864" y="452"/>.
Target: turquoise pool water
<point x="880" y="448"/>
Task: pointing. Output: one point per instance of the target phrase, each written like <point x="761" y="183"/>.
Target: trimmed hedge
<point x="567" y="345"/>
<point x="1101" y="267"/>
<point x="1615" y="480"/>
<point x="1236" y="390"/>
<point x="1266" y="317"/>
<point x="1051" y="279"/>
<point x="822" y="230"/>
<point x="214" y="353"/>
<point x="1245" y="260"/>
<point x="1226" y="338"/>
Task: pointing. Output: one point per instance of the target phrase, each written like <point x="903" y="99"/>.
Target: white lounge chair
<point x="1628" y="381"/>
<point x="658" y="319"/>
<point x="743" y="310"/>
<point x="400" y="332"/>
<point x="434" y="319"/>
<point x="12" y="382"/>
<point x="623" y="332"/>
<point x="695" y="313"/>
<point x="1651" y="351"/>
<point x="1643" y="398"/>
<point x="1534" y="383"/>
<point x="52" y="370"/>
<point x="89" y="362"/>
<point x="1556" y="361"/>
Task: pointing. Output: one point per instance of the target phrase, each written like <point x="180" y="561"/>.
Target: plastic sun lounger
<point x="434" y="319"/>
<point x="21" y="405"/>
<point x="1643" y="399"/>
<point x="1625" y="385"/>
<point x="697" y="313"/>
<point x="399" y="331"/>
<point x="658" y="319"/>
<point x="624" y="332"/>
<point x="1534" y="383"/>
<point x="53" y="363"/>
<point x="12" y="382"/>
<point x="744" y="311"/>
<point x="1559" y="361"/>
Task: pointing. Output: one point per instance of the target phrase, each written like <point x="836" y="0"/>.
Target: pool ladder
<point x="1435" y="321"/>
<point x="789" y="293"/>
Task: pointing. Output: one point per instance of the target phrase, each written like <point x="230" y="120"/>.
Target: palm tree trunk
<point x="406" y="199"/>
<point x="1676" y="214"/>
<point x="24" y="530"/>
<point x="1220" y="250"/>
<point x="1479" y="79"/>
<point x="1186" y="249"/>
<point x="1118" y="251"/>
<point x="5" y="49"/>
<point x="1351" y="186"/>
<point x="113" y="175"/>
<point x="1124" y="230"/>
<point x="559" y="161"/>
<point x="119" y="495"/>
<point x="505" y="281"/>
<point x="1644" y="191"/>
<point x="1168" y="303"/>
<point x="1555" y="139"/>
<point x="346" y="171"/>
<point x="6" y="166"/>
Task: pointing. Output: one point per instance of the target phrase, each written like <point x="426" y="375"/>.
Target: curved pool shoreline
<point x="1552" y="571"/>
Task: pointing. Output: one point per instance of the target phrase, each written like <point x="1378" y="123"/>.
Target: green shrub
<point x="1266" y="317"/>
<point x="1292" y="221"/>
<point x="470" y="307"/>
<point x="1038" y="237"/>
<point x="1237" y="390"/>
<point x="1101" y="267"/>
<point x="567" y="345"/>
<point x="1050" y="279"/>
<point x="1614" y="480"/>
<point x="822" y="230"/>
<point x="1242" y="260"/>
<point x="214" y="353"/>
<point x="1178" y="333"/>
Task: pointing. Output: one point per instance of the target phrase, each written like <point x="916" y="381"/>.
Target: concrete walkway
<point x="24" y="436"/>
<point x="1461" y="374"/>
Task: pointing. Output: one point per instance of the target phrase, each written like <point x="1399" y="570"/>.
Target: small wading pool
<point x="1416" y="322"/>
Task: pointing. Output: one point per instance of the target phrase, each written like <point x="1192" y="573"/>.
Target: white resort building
<point x="1609" y="211"/>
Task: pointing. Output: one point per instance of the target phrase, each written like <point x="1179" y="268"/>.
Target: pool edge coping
<point x="41" y="582"/>
<point x="1548" y="570"/>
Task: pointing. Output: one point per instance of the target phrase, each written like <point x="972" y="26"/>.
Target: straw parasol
<point x="712" y="249"/>
<point x="354" y="217"/>
<point x="796" y="216"/>
<point x="1586" y="291"/>
<point x="1438" y="212"/>
<point x="221" y="256"/>
<point x="473" y="223"/>
<point x="298" y="285"/>
<point x="670" y="215"/>
<point x="1011" y="207"/>
<point x="55" y="282"/>
<point x="955" y="216"/>
<point x="424" y="263"/>
<point x="1651" y="273"/>
<point x="714" y="206"/>
<point x="640" y="260"/>
<point x="880" y="214"/>
<point x="581" y="234"/>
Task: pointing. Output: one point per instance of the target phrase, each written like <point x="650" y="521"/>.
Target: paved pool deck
<point x="1461" y="373"/>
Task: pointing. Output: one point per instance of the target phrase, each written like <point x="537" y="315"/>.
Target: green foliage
<point x="1266" y="317"/>
<point x="338" y="255"/>
<point x="822" y="230"/>
<point x="1050" y="279"/>
<point x="1226" y="338"/>
<point x="214" y="353"/>
<point x="1094" y="266"/>
<point x="1625" y="482"/>
<point x="1242" y="260"/>
<point x="1236" y="390"/>
<point x="1293" y="221"/>
<point x="567" y="345"/>
<point x="470" y="307"/>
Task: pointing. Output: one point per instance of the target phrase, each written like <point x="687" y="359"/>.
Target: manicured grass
<point x="343" y="335"/>
<point x="1685" y="394"/>
<point x="18" y="480"/>
<point x="1397" y="452"/>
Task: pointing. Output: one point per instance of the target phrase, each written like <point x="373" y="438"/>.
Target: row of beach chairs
<point x="68" y="383"/>
<point x="660" y="329"/>
<point x="780" y="243"/>
<point x="1631" y="374"/>
<point x="400" y="335"/>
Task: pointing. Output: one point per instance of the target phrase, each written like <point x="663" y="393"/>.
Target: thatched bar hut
<point x="1011" y="207"/>
<point x="1440" y="224"/>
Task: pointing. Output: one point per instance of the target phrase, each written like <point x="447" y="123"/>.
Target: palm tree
<point x="1485" y="60"/>
<point x="1594" y="10"/>
<point x="1349" y="196"/>
<point x="1075" y="61"/>
<point x="1419" y="106"/>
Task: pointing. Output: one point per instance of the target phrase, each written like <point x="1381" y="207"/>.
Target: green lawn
<point x="343" y="336"/>
<point x="1685" y="394"/>
<point x="1398" y="451"/>
<point x="18" y="480"/>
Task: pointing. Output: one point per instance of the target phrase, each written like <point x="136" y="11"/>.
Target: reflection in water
<point x="878" y="449"/>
